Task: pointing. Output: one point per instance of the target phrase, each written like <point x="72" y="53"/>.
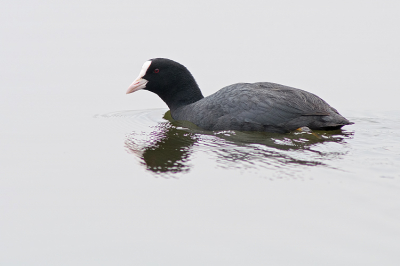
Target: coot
<point x="261" y="106"/>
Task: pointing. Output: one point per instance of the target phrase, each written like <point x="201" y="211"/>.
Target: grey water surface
<point x="92" y="176"/>
<point x="166" y="148"/>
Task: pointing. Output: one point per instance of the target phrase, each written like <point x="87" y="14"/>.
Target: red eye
<point x="156" y="70"/>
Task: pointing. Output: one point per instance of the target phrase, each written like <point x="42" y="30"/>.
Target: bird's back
<point x="261" y="106"/>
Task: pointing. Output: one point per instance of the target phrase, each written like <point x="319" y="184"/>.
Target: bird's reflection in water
<point x="165" y="150"/>
<point x="168" y="148"/>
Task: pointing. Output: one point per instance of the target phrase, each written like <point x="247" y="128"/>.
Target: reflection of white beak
<point x="137" y="84"/>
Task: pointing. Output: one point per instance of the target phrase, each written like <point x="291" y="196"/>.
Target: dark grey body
<point x="261" y="106"/>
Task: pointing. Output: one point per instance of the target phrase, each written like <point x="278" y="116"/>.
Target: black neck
<point x="181" y="94"/>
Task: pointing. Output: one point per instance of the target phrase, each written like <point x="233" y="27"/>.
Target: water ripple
<point x="167" y="147"/>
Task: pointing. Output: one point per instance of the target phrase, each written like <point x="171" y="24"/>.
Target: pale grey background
<point x="345" y="51"/>
<point x="70" y="193"/>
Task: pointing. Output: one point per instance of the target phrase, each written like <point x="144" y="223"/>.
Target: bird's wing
<point x="269" y="103"/>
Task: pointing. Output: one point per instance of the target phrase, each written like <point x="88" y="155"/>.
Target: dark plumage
<point x="261" y="106"/>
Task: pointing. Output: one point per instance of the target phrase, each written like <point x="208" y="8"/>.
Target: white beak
<point x="139" y="82"/>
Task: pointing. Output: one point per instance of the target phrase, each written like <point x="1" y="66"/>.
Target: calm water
<point x="133" y="187"/>
<point x="92" y="176"/>
<point x="165" y="148"/>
